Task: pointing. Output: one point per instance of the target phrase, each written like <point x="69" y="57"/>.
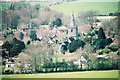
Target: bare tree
<point x="87" y="17"/>
<point x="38" y="54"/>
<point x="88" y="51"/>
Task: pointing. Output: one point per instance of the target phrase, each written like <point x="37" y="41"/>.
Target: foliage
<point x="100" y="44"/>
<point x="14" y="47"/>
<point x="18" y="5"/>
<point x="105" y="64"/>
<point x="33" y="35"/>
<point x="21" y="35"/>
<point x="101" y="34"/>
<point x="64" y="48"/>
<point x="8" y="71"/>
<point x="56" y="22"/>
<point x="18" y="46"/>
<point x="74" y="45"/>
<point x="28" y="42"/>
<point x="17" y="71"/>
<point x="38" y="55"/>
<point x="37" y="6"/>
<point x="14" y="21"/>
<point x="108" y="41"/>
<point x="7" y="45"/>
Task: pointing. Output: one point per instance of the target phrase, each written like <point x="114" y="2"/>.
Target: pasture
<point x="77" y="7"/>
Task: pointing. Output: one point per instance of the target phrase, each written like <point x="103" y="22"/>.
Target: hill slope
<point x="76" y="7"/>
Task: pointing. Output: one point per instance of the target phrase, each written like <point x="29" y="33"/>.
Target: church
<point x="73" y="28"/>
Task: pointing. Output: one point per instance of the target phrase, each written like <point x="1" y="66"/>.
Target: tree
<point x="38" y="55"/>
<point x="74" y="45"/>
<point x="14" y="47"/>
<point x="101" y="34"/>
<point x="56" y="22"/>
<point x="64" y="48"/>
<point x="14" y="21"/>
<point x="21" y="35"/>
<point x="87" y="17"/>
<point x="88" y="51"/>
<point x="37" y="6"/>
<point x="6" y="45"/>
<point x="33" y="35"/>
<point x="18" y="46"/>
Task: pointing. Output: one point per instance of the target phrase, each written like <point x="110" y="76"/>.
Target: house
<point x="10" y="64"/>
<point x="83" y="60"/>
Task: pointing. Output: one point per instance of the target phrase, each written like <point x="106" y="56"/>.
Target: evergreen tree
<point x="101" y="34"/>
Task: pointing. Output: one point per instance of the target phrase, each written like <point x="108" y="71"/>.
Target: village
<point x="55" y="47"/>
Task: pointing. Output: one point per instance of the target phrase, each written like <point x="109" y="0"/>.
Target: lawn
<point x="76" y="7"/>
<point x="82" y="74"/>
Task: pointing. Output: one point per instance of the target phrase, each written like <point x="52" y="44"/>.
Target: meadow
<point x="82" y="74"/>
<point x="77" y="7"/>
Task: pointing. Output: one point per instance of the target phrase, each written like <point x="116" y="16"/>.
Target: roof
<point x="83" y="59"/>
<point x="1" y="43"/>
<point x="10" y="63"/>
<point x="84" y="28"/>
<point x="62" y="28"/>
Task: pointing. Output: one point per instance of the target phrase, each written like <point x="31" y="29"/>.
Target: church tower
<point x="73" y="28"/>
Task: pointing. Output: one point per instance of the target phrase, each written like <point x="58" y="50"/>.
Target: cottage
<point x="10" y="64"/>
<point x="81" y="61"/>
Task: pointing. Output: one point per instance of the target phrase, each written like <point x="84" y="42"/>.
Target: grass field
<point x="76" y="7"/>
<point x="83" y="74"/>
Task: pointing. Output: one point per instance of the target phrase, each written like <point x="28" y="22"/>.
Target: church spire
<point x="72" y="23"/>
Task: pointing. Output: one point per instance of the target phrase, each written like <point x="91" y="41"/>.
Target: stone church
<point x="73" y="28"/>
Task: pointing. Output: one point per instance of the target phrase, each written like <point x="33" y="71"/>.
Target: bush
<point x="29" y="71"/>
<point x="105" y="64"/>
<point x="17" y="71"/>
<point x="8" y="71"/>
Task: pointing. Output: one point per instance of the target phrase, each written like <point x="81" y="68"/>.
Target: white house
<point x="80" y="61"/>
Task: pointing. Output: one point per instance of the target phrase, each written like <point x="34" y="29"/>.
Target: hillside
<point x="102" y="7"/>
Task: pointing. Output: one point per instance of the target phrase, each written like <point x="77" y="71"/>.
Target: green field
<point x="82" y="74"/>
<point x="75" y="7"/>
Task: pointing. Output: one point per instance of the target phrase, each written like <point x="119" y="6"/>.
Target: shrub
<point x="29" y="71"/>
<point x="17" y="71"/>
<point x="8" y="71"/>
<point x="105" y="64"/>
